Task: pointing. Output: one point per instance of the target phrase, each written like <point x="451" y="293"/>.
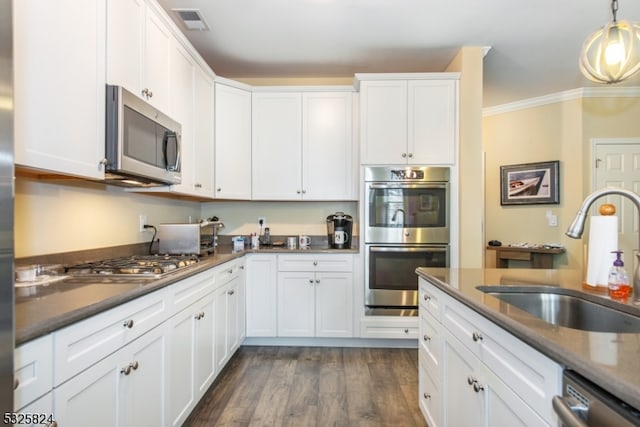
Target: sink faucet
<point x="577" y="226"/>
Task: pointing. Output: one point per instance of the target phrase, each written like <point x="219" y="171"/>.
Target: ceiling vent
<point x="192" y="19"/>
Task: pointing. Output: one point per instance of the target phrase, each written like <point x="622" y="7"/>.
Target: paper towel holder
<point x="576" y="228"/>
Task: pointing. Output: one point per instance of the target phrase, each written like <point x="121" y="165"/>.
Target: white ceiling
<point x="534" y="51"/>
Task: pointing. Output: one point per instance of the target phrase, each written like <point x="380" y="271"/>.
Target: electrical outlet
<point x="262" y="221"/>
<point x="142" y="221"/>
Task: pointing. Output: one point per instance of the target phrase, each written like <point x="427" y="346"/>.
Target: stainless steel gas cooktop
<point x="138" y="265"/>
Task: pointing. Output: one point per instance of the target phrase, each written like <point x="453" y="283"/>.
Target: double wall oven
<point x="406" y="226"/>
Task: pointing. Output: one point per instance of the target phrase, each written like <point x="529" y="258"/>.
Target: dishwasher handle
<point x="565" y="413"/>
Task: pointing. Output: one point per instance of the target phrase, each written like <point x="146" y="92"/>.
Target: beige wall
<point x="54" y="218"/>
<point x="560" y="130"/>
<point x="470" y="165"/>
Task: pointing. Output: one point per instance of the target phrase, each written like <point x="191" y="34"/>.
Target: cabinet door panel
<point x="146" y="385"/>
<point x="296" y="303"/>
<point x="334" y="305"/>
<point x="328" y="171"/>
<point x="276" y="146"/>
<point x="158" y="42"/>
<point x="59" y="86"/>
<point x="203" y="134"/>
<point x="261" y="295"/>
<point x="204" y="338"/>
<point x="432" y="121"/>
<point x="181" y="366"/>
<point x="232" y="143"/>
<point x="383" y="116"/>
<point x="125" y="35"/>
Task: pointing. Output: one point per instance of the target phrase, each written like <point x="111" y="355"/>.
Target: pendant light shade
<point x="612" y="54"/>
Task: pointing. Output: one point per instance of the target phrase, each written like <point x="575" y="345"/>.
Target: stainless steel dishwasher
<point x="584" y="404"/>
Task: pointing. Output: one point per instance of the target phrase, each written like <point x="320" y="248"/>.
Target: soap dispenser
<point x="618" y="282"/>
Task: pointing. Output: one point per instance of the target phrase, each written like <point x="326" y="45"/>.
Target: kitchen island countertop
<point x="610" y="360"/>
<point x="42" y="309"/>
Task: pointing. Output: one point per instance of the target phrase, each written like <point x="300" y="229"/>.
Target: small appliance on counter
<point x="339" y="226"/>
<point x="198" y="239"/>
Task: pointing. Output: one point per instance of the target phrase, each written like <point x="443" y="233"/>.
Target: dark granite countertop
<point x="42" y="309"/>
<point x="611" y="360"/>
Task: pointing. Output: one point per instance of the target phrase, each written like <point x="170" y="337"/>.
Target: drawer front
<point x="531" y="375"/>
<point x="430" y="300"/>
<point x="390" y="328"/>
<point x="190" y="290"/>
<point x="431" y="343"/>
<point x="228" y="271"/>
<point x="33" y="371"/>
<point x="315" y="262"/>
<point x="84" y="343"/>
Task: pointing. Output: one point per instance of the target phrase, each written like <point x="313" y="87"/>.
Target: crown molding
<point x="568" y="95"/>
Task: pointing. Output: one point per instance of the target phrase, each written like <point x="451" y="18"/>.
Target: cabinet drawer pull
<point x="128" y="324"/>
<point x="477" y="336"/>
<point x="426" y="338"/>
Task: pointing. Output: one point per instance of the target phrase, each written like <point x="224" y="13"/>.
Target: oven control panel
<point x="404" y="174"/>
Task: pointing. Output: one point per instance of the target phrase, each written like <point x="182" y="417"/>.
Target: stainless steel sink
<point x="563" y="307"/>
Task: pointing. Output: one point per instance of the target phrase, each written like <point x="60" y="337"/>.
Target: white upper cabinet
<point x="276" y="146"/>
<point x="409" y="120"/>
<point x="59" y="83"/>
<point x="139" y="43"/>
<point x="203" y="142"/>
<point x="232" y="142"/>
<point x="302" y="146"/>
<point x="327" y="146"/>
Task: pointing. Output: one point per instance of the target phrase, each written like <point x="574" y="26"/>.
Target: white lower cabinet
<point x="261" y="285"/>
<point x="229" y="311"/>
<point x="33" y="371"/>
<point x="473" y="373"/>
<point x="191" y="368"/>
<point x="315" y="301"/>
<point x="126" y="388"/>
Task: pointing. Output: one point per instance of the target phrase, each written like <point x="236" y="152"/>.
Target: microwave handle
<point x="174" y="166"/>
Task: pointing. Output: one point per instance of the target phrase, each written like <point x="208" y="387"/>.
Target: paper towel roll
<point x="603" y="239"/>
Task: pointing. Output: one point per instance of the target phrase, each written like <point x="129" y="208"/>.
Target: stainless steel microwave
<point x="142" y="143"/>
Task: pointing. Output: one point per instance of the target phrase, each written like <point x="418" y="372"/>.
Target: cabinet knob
<point x="427" y="396"/>
<point x="427" y="297"/>
<point x="426" y="338"/>
<point x="126" y="370"/>
<point x="128" y="324"/>
<point x="304" y="191"/>
<point x="404" y="155"/>
<point x="104" y="162"/>
<point x="298" y="191"/>
<point x="134" y="365"/>
<point x="198" y="185"/>
<point x="311" y="281"/>
<point x="406" y="331"/>
<point x="477" y="387"/>
<point x="231" y="292"/>
<point x="16" y="383"/>
<point x="470" y="380"/>
<point x="315" y="262"/>
<point x="410" y="155"/>
<point x="477" y="336"/>
<point x="317" y="280"/>
<point x="219" y="189"/>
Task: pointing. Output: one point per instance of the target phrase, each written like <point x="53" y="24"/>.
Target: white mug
<point x="304" y="241"/>
<point x="340" y="237"/>
<point x="292" y="242"/>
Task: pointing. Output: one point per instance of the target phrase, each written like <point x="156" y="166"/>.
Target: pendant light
<point x="612" y="54"/>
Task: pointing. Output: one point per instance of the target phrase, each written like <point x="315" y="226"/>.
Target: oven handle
<point x="565" y="413"/>
<point x="384" y="185"/>
<point x="406" y="249"/>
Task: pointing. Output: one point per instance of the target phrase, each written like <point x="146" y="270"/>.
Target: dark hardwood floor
<point x="314" y="386"/>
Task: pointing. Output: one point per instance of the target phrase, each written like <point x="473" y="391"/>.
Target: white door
<point x="617" y="164"/>
<point x="296" y="302"/>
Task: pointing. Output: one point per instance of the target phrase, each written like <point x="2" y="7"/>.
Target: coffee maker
<point x="339" y="226"/>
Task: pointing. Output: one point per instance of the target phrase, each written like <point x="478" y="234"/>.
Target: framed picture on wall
<point x="530" y="183"/>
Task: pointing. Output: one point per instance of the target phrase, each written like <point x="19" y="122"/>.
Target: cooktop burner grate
<point x="149" y="265"/>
